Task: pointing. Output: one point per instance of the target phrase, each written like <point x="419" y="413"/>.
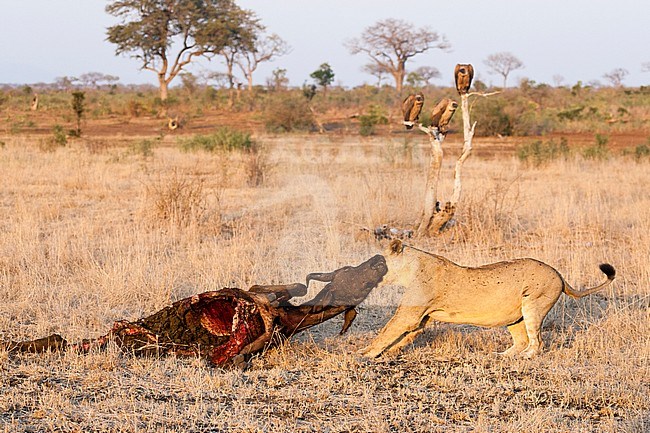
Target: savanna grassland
<point x="91" y="236"/>
<point x="127" y="218"/>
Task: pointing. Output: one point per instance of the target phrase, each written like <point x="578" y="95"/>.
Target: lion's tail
<point x="606" y="268"/>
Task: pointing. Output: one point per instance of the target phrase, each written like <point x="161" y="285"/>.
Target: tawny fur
<point x="517" y="294"/>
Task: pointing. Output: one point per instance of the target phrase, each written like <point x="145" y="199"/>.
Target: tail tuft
<point x="608" y="270"/>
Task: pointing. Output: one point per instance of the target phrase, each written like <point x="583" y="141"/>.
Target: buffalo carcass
<point x="227" y="325"/>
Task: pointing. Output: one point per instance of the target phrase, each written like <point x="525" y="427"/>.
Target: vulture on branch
<point x="442" y="114"/>
<point x="463" y="75"/>
<point x="411" y="107"/>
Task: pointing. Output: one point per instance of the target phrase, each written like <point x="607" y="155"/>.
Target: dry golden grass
<point x="91" y="237"/>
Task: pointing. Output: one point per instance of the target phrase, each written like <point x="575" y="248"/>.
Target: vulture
<point x="463" y="75"/>
<point x="411" y="107"/>
<point x="442" y="114"/>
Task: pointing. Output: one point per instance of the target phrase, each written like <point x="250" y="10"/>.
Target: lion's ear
<point x="396" y="247"/>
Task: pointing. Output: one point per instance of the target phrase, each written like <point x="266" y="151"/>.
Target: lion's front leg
<point x="404" y="322"/>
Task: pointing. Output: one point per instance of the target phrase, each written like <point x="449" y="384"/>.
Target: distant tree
<point x="558" y="80"/>
<point x="65" y="83"/>
<point x="78" y="106"/>
<point x="375" y="70"/>
<point x="392" y="42"/>
<point x="265" y="49"/>
<point x="309" y="91"/>
<point x="278" y="80"/>
<point x="250" y="28"/>
<point x="422" y="76"/>
<point x="189" y="82"/>
<point x="216" y="79"/>
<point x="94" y="79"/>
<point x="150" y="28"/>
<point x="503" y="64"/>
<point x="323" y="76"/>
<point x="616" y="76"/>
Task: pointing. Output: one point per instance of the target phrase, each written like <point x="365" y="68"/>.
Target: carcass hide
<point x="228" y="324"/>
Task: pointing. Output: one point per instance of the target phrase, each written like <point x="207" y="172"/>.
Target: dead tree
<point x="434" y="218"/>
<point x="228" y="325"/>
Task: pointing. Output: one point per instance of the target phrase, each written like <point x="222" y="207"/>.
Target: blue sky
<point x="576" y="39"/>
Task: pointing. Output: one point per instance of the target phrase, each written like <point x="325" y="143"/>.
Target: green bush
<point x="223" y="139"/>
<point x="539" y="153"/>
<point x="368" y="121"/>
<point x="574" y="113"/>
<point x="144" y="148"/>
<point x="493" y="120"/>
<point x="59" y="136"/>
<point x="599" y="151"/>
<point x="288" y="112"/>
<point x="642" y="151"/>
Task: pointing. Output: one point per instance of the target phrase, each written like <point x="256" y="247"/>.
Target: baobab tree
<point x="149" y="30"/>
<point x="503" y="64"/>
<point x="392" y="42"/>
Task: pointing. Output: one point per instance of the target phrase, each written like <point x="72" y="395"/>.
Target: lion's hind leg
<point x="405" y="321"/>
<point x="534" y="311"/>
<point x="519" y="339"/>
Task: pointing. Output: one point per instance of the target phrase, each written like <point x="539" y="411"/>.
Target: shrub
<point x="599" y="151"/>
<point x="144" y="148"/>
<point x="57" y="139"/>
<point x="574" y="113"/>
<point x="178" y="200"/>
<point x="59" y="136"/>
<point x="493" y="118"/>
<point x="642" y="151"/>
<point x="78" y="106"/>
<point x="539" y="153"/>
<point x="287" y="113"/>
<point x="368" y="121"/>
<point x="257" y="166"/>
<point x="223" y="139"/>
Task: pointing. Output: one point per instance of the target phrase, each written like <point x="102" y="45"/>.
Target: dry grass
<point x="87" y="238"/>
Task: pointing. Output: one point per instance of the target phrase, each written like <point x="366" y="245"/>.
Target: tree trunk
<point x="249" y="76"/>
<point x="431" y="191"/>
<point x="164" y="87"/>
<point x="399" y="79"/>
<point x="434" y="220"/>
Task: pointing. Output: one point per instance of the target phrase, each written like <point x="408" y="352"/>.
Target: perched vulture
<point x="463" y="75"/>
<point x="442" y="114"/>
<point x="411" y="107"/>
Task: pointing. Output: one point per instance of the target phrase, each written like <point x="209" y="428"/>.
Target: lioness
<point x="515" y="293"/>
